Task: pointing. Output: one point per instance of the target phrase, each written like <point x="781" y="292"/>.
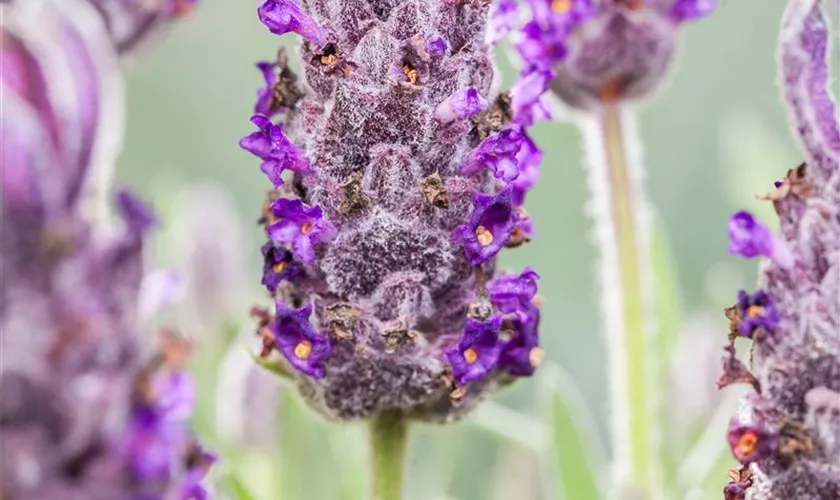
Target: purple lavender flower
<point x="278" y="153"/>
<point x="521" y="355"/>
<point x="265" y="95"/>
<point x="489" y="226"/>
<point x="398" y="240"/>
<point x="753" y="441"/>
<point x="750" y="238"/>
<point x="298" y="341"/>
<point x="477" y="351"/>
<point x="436" y="46"/>
<point x="529" y="160"/>
<point x="756" y="311"/>
<point x="500" y="153"/>
<point x="278" y="265"/>
<point x="284" y="16"/>
<point x="503" y="19"/>
<point x="603" y="51"/>
<point x="514" y="292"/>
<point x="301" y="226"/>
<point x="527" y="96"/>
<point x="464" y="103"/>
<point x="787" y="430"/>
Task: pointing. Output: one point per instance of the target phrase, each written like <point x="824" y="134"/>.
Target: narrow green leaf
<point x="574" y="457"/>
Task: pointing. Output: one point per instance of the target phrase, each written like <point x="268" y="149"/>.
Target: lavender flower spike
<point x="787" y="431"/>
<point x="390" y="236"/>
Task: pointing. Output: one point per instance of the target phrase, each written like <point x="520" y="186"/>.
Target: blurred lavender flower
<point x="82" y="415"/>
<point x="786" y="435"/>
<point x="589" y="51"/>
<point x="380" y="253"/>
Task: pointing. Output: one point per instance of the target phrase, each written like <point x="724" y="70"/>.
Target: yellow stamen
<point x="484" y="236"/>
<point x="536" y="356"/>
<point x="410" y="73"/>
<point x="470" y="356"/>
<point x="303" y="349"/>
<point x="306" y="228"/>
<point x="746" y="443"/>
<point x="561" y="6"/>
<point x="754" y="311"/>
<point x="278" y="267"/>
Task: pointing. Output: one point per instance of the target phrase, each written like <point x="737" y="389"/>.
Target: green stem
<point x="389" y="442"/>
<point x="614" y="178"/>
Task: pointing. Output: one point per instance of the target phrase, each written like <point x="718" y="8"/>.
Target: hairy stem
<point x="619" y="210"/>
<point x="389" y="442"/>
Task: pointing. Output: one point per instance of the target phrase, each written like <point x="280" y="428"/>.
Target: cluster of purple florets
<point x="399" y="173"/>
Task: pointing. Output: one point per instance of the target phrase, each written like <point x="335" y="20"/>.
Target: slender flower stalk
<point x="620" y="213"/>
<point x="389" y="434"/>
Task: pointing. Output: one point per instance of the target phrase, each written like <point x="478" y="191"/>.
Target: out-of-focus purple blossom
<point x="284" y="16"/>
<point x="464" y="103"/>
<point x="295" y="337"/>
<point x="522" y="355"/>
<point x="603" y="51"/>
<point x="301" y="226"/>
<point x="278" y="265"/>
<point x="689" y="10"/>
<point x="756" y="311"/>
<point x="514" y="292"/>
<point x="278" y="153"/>
<point x="489" y="226"/>
<point x="784" y="430"/>
<point x="477" y="351"/>
<point x="527" y="96"/>
<point x="136" y="214"/>
<point x="503" y="18"/>
<point x="84" y="416"/>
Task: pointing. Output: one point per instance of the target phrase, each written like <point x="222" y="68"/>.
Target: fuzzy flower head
<point x="415" y="182"/>
<point x="790" y="443"/>
<point x="599" y="51"/>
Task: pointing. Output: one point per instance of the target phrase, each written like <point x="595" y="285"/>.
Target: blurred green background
<point x="713" y="138"/>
